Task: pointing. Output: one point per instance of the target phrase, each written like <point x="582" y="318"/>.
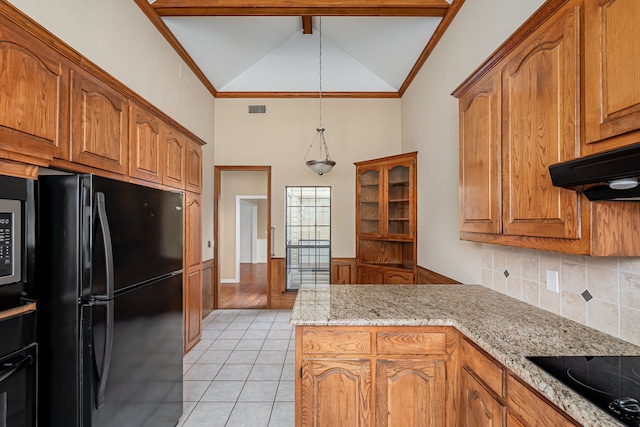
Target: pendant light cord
<point x="320" y="68"/>
<point x="320" y="129"/>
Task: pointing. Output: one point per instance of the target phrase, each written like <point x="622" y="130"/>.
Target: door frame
<point x="254" y="237"/>
<point x="217" y="170"/>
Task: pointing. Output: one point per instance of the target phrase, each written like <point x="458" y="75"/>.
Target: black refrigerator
<point x="109" y="300"/>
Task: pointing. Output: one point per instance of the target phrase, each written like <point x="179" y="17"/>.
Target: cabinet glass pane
<point x="398" y="200"/>
<point x="369" y="202"/>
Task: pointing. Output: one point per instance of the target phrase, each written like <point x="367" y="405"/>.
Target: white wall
<point x="430" y="126"/>
<point x="356" y="129"/>
<point x="118" y="37"/>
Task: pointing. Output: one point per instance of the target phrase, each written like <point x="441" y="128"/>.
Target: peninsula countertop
<point x="506" y="328"/>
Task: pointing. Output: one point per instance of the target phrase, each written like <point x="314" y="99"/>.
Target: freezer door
<point x="144" y="228"/>
<point x="132" y="364"/>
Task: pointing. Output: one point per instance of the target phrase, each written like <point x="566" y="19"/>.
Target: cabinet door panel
<point x="193" y="308"/>
<point x="612" y="71"/>
<point x="174" y="162"/>
<point x="34" y="86"/>
<point x="479" y="407"/>
<point x="336" y="393"/>
<point x="371" y="276"/>
<point x="410" y="393"/>
<point x="194" y="167"/>
<point x="540" y="95"/>
<point x="480" y="140"/>
<point x="144" y="140"/>
<point x="99" y="124"/>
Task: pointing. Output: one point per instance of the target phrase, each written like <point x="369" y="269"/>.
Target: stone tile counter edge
<point x="506" y="328"/>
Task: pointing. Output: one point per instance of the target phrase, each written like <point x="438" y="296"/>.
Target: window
<point x="308" y="235"/>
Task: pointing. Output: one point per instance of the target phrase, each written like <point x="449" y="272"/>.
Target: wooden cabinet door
<point x="192" y="308"/>
<point x="369" y="275"/>
<point x="194" y="167"/>
<point x="174" y="158"/>
<point x="34" y="88"/>
<point x="144" y="143"/>
<point x="479" y="407"/>
<point x="400" y="195"/>
<point x="410" y="393"/>
<point x="193" y="266"/>
<point x="531" y="409"/>
<point x="612" y="72"/>
<point x="513" y="421"/>
<point x="540" y="94"/>
<point x="193" y="230"/>
<point x="480" y="158"/>
<point x="369" y="194"/>
<point x="336" y="393"/>
<point x="99" y="124"/>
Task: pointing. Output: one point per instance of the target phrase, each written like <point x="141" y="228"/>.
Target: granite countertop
<point x="504" y="327"/>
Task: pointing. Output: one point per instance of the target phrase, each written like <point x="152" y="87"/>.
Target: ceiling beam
<point x="306" y="25"/>
<point x="436" y="8"/>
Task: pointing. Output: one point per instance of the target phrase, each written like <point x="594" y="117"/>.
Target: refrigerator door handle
<point x="108" y="248"/>
<point x="106" y="360"/>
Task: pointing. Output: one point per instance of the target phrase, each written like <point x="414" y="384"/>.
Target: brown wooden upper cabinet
<point x="480" y="164"/>
<point x="194" y="167"/>
<point x="34" y="87"/>
<point x="99" y="124"/>
<point x="145" y="148"/>
<point x="612" y="74"/>
<point x="540" y="105"/>
<point x="521" y="112"/>
<point x="174" y="157"/>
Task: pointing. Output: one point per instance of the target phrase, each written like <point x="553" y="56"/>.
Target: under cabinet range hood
<point x="610" y="175"/>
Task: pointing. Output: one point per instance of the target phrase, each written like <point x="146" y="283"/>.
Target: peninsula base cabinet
<point x="373" y="376"/>
<point x="420" y="376"/>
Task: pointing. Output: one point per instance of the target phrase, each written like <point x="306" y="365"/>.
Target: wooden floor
<point x="251" y="292"/>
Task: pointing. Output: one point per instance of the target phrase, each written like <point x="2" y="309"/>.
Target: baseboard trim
<point x="429" y="277"/>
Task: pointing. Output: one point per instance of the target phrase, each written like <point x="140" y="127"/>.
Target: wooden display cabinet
<point x="386" y="205"/>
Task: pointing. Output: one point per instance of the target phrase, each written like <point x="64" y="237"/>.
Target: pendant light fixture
<point x="325" y="164"/>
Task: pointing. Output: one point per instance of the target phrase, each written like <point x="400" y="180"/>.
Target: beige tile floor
<point x="241" y="374"/>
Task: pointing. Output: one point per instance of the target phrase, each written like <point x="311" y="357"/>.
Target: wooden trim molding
<point x="307" y="95"/>
<point x="452" y="11"/>
<point x="17" y="310"/>
<point x="429" y="277"/>
<point x="301" y="7"/>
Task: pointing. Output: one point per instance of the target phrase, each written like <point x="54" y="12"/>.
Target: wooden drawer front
<point x="336" y="342"/>
<point x="423" y="343"/>
<point x="531" y="408"/>
<point x="483" y="367"/>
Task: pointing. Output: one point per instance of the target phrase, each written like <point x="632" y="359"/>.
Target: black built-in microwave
<point x="17" y="238"/>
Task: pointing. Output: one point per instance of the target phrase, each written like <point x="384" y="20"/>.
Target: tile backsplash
<point x="611" y="303"/>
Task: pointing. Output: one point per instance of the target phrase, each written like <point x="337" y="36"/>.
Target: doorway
<point x="242" y="212"/>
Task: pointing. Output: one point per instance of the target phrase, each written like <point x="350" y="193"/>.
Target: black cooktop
<point x="609" y="382"/>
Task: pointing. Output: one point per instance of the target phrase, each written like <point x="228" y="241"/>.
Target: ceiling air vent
<point x="257" y="109"/>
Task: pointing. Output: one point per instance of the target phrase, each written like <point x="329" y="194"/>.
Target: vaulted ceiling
<point x="262" y="48"/>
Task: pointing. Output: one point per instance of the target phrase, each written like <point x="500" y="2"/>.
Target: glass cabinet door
<point x="399" y="200"/>
<point x="370" y="202"/>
